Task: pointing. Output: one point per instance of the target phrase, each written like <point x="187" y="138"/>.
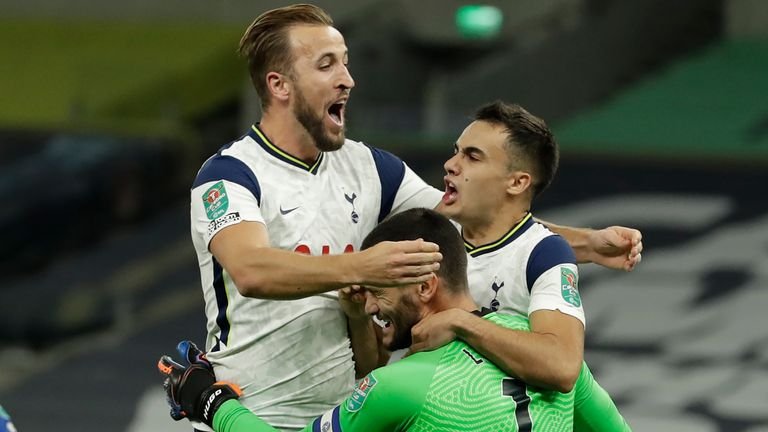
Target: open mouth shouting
<point x="451" y="193"/>
<point x="336" y="110"/>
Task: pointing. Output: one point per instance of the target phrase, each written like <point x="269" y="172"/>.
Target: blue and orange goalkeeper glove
<point x="192" y="391"/>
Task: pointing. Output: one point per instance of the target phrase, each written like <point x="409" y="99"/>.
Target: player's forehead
<point x="312" y="42"/>
<point x="483" y="137"/>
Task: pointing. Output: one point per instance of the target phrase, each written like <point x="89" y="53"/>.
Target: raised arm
<point x="261" y="271"/>
<point x="614" y="247"/>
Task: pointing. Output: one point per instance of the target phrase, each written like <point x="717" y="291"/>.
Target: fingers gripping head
<point x="432" y="227"/>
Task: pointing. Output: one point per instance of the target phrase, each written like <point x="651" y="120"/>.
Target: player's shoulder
<point x="231" y="154"/>
<point x="551" y="244"/>
<point x="360" y="149"/>
<point x="227" y="165"/>
<point x="236" y="148"/>
<point x="511" y="321"/>
<point x="417" y="364"/>
<point x="539" y="231"/>
<point x="546" y="252"/>
<point x="539" y="237"/>
<point x="412" y="373"/>
<point x="405" y="381"/>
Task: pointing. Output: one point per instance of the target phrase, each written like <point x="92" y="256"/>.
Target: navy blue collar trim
<point x="261" y="138"/>
<point x="506" y="239"/>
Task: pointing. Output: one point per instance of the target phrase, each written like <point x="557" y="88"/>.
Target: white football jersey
<point x="292" y="359"/>
<point x="528" y="269"/>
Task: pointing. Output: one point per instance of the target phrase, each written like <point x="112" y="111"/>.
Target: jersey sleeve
<point x="401" y="188"/>
<point x="232" y="416"/>
<point x="594" y="410"/>
<point x="387" y="399"/>
<point x="225" y="192"/>
<point x="553" y="278"/>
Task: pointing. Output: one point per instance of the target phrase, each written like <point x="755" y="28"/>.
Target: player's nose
<point x="345" y="79"/>
<point x="450" y="164"/>
<point x="371" y="308"/>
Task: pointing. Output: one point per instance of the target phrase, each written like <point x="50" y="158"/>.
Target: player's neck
<point x="285" y="132"/>
<point x="488" y="230"/>
<point x="447" y="301"/>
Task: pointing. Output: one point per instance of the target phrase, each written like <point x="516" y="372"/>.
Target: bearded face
<point x="313" y="123"/>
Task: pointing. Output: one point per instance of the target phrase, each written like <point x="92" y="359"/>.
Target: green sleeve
<point x="232" y="416"/>
<point x="594" y="410"/>
<point x="388" y="399"/>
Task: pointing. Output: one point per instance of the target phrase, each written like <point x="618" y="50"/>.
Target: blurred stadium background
<point x="661" y="109"/>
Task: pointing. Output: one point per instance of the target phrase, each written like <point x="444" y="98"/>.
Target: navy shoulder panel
<point x="221" y="167"/>
<point x="550" y="251"/>
<point x="391" y="172"/>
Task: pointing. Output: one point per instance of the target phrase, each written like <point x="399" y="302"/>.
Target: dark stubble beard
<point x="314" y="125"/>
<point x="405" y="316"/>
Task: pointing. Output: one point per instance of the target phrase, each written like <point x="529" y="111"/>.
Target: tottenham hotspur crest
<point x="351" y="199"/>
<point x="496" y="287"/>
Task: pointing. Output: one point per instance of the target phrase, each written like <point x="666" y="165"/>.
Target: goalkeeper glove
<point x="192" y="391"/>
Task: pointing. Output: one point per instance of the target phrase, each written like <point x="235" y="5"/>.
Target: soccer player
<point x="292" y="184"/>
<point x="503" y="160"/>
<point x="454" y="388"/>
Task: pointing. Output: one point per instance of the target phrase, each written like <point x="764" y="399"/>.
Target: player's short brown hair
<point x="422" y="223"/>
<point x="530" y="141"/>
<point x="266" y="46"/>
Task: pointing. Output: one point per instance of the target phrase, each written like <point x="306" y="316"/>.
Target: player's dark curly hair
<point x="531" y="145"/>
<point x="266" y="46"/>
<point x="432" y="227"/>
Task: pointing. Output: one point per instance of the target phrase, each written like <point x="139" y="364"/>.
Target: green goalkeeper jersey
<point x="453" y="388"/>
<point x="594" y="410"/>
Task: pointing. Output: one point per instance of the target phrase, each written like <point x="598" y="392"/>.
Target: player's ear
<point x="518" y="182"/>
<point x="428" y="289"/>
<point x="278" y="86"/>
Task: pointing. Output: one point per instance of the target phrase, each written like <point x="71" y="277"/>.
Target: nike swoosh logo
<point x="285" y="212"/>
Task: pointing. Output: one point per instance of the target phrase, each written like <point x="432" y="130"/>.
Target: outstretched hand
<point x="616" y="247"/>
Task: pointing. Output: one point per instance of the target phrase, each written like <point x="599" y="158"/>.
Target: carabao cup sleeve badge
<point x="356" y="401"/>
<point x="569" y="286"/>
<point x="215" y="200"/>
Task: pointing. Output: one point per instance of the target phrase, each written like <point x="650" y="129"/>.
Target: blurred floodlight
<point x="479" y="21"/>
